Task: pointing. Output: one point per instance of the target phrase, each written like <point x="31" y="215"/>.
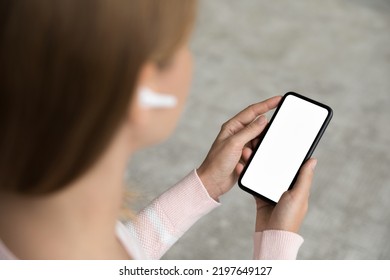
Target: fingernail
<point x="313" y="164"/>
<point x="261" y="120"/>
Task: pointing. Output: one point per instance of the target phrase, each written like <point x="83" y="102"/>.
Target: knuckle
<point x="252" y="125"/>
<point x="225" y="125"/>
<point x="251" y="107"/>
<point x="288" y="196"/>
<point x="256" y="108"/>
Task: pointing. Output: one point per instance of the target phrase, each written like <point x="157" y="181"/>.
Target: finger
<point x="239" y="168"/>
<point x="261" y="203"/>
<point x="246" y="154"/>
<point x="249" y="132"/>
<point x="303" y="184"/>
<point x="245" y="117"/>
<point x="254" y="143"/>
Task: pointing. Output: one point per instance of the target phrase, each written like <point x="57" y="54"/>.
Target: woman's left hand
<point x="222" y="166"/>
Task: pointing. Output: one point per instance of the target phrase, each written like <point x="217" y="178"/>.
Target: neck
<point x="75" y="222"/>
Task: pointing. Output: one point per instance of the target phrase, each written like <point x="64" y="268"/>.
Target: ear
<point x="138" y="115"/>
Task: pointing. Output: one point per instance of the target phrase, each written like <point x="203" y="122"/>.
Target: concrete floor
<point x="335" y="51"/>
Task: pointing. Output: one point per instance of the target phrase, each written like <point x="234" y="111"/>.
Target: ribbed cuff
<point x="186" y="202"/>
<point x="276" y="245"/>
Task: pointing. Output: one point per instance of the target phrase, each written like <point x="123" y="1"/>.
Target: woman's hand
<point x="291" y="209"/>
<point x="220" y="170"/>
<point x="228" y="155"/>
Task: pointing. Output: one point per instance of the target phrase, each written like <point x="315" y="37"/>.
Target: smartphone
<point x="286" y="143"/>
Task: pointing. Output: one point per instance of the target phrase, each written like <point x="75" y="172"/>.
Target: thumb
<point x="302" y="186"/>
<point x="250" y="132"/>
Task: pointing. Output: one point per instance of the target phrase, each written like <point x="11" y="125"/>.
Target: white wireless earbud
<point x="151" y="99"/>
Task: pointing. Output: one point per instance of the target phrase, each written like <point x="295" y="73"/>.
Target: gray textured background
<point x="335" y="51"/>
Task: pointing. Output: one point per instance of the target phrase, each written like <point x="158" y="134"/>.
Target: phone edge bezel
<point x="309" y="153"/>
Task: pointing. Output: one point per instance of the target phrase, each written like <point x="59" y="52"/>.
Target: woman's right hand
<point x="291" y="209"/>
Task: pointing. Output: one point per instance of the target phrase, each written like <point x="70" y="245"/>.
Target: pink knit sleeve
<point x="276" y="245"/>
<point x="169" y="216"/>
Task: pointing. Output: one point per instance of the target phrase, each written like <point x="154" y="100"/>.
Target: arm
<point x="168" y="217"/>
<point x="277" y="226"/>
<point x="158" y="226"/>
<point x="161" y="224"/>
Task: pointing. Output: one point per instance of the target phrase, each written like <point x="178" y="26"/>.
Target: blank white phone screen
<point x="284" y="147"/>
